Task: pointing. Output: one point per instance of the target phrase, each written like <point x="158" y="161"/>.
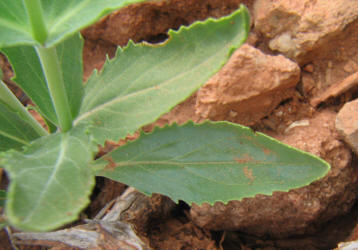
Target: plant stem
<point x="10" y="99"/>
<point x="56" y="86"/>
<point x="50" y="65"/>
<point x="37" y="21"/>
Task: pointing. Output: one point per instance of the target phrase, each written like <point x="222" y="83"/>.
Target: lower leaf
<point x="210" y="162"/>
<point x="49" y="182"/>
<point x="15" y="131"/>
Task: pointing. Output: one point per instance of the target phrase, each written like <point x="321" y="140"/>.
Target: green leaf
<point x="210" y="162"/>
<point x="29" y="75"/>
<point x="2" y="197"/>
<point x="49" y="182"/>
<point x="62" y="18"/>
<point x="14" y="27"/>
<point x="15" y="132"/>
<point x="144" y="81"/>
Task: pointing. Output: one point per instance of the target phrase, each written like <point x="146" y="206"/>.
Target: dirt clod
<point x="248" y="87"/>
<point x="301" y="29"/>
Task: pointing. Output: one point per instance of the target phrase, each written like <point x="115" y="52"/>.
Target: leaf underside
<point x="50" y="181"/>
<point x="29" y="75"/>
<point x="62" y="18"/>
<point x="210" y="162"/>
<point x="145" y="81"/>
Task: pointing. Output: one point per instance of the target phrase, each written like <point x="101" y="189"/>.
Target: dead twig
<point x="105" y="231"/>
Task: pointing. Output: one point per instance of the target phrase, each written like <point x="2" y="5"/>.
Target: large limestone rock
<point x="248" y="87"/>
<point x="303" y="29"/>
<point x="301" y="210"/>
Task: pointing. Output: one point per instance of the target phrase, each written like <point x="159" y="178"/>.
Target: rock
<point x="351" y="245"/>
<point x="309" y="68"/>
<point x="307" y="84"/>
<point x="350" y="67"/>
<point x="347" y="124"/>
<point x="301" y="210"/>
<point x="299" y="29"/>
<point x="248" y="87"/>
<point x="346" y="85"/>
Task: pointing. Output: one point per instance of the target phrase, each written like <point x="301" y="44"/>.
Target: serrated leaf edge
<point x="173" y="34"/>
<point x="157" y="129"/>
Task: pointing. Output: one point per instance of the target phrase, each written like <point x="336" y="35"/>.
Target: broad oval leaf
<point x="145" y="81"/>
<point x="50" y="181"/>
<point x="210" y="162"/>
<point x="29" y="75"/>
<point x="15" y="132"/>
<point x="63" y="19"/>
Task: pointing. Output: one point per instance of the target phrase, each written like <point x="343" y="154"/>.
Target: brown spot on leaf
<point x="245" y="158"/>
<point x="111" y="164"/>
<point x="267" y="151"/>
<point x="248" y="174"/>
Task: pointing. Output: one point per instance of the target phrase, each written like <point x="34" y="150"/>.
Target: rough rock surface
<point x="248" y="87"/>
<point x="300" y="210"/>
<point x="298" y="28"/>
<point x="347" y="124"/>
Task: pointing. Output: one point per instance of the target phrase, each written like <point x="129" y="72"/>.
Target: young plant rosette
<point x="52" y="172"/>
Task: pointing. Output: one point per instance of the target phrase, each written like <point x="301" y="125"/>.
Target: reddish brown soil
<point x="175" y="230"/>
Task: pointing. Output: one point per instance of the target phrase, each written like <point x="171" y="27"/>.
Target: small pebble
<point x="309" y="68"/>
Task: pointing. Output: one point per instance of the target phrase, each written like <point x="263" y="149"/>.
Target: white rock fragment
<point x="297" y="124"/>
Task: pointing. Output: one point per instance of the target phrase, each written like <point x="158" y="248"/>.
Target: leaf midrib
<point x="61" y="157"/>
<point x="193" y="163"/>
<point x="121" y="98"/>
